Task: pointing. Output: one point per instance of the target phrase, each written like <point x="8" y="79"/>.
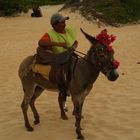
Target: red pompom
<point x="104" y="38"/>
<point x="116" y="64"/>
<point x="110" y="49"/>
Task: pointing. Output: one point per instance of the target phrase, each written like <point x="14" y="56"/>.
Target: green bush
<point x="13" y="7"/>
<point x="122" y="11"/>
<point x="118" y="11"/>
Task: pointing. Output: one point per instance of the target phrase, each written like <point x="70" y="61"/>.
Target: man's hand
<point x="75" y="44"/>
<point x="64" y="45"/>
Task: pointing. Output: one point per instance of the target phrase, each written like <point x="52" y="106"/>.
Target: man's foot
<point x="65" y="107"/>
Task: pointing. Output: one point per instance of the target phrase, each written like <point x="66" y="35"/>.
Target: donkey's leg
<point x="74" y="111"/>
<point x="24" y="106"/>
<point x="62" y="96"/>
<point x="61" y="101"/>
<point x="37" y="93"/>
<point x="78" y="116"/>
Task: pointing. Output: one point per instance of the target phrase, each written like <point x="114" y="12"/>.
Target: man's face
<point x="60" y="26"/>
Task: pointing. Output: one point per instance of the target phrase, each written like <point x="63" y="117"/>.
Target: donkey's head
<point x="101" y="54"/>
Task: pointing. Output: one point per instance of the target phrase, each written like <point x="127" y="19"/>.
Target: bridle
<point x="98" y="64"/>
<point x="82" y="56"/>
<point x="102" y="62"/>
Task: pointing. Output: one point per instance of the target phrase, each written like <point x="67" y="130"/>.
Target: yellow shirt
<point x="68" y="37"/>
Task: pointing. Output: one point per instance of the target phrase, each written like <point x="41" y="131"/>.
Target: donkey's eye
<point x="99" y="49"/>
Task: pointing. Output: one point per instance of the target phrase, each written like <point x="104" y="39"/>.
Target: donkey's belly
<point x="44" y="83"/>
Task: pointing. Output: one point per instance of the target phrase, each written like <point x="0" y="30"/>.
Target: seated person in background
<point x="36" y="11"/>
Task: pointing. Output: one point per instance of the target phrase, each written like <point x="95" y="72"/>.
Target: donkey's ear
<point x="89" y="37"/>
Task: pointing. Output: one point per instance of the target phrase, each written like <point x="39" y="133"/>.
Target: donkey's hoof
<point x="36" y="122"/>
<point x="30" y="129"/>
<point x="80" y="137"/>
<point x="64" y="117"/>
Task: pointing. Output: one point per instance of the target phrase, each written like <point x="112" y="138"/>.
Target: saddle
<point x="46" y="57"/>
<point x="53" y="67"/>
<point x="53" y="73"/>
<point x="44" y="70"/>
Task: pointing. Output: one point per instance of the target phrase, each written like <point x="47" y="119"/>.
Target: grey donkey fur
<point x="84" y="75"/>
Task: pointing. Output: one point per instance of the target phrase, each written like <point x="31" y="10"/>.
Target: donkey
<point x="85" y="71"/>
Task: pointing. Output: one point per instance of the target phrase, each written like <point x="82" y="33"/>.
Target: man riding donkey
<point x="54" y="52"/>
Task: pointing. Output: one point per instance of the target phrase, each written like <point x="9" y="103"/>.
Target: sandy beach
<point x="111" y="110"/>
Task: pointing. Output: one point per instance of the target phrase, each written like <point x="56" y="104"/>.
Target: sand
<point x="111" y="110"/>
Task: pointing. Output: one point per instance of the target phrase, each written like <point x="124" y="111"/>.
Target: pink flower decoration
<point x="110" y="49"/>
<point x="112" y="38"/>
<point x="116" y="64"/>
<point x="104" y="38"/>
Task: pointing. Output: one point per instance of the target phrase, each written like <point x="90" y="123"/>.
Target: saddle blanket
<point x="44" y="70"/>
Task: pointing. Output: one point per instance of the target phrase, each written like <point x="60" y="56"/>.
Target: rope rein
<point x="82" y="56"/>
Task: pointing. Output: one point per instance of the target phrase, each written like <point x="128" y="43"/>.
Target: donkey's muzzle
<point x="112" y="75"/>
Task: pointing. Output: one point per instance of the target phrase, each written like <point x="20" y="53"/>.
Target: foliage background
<point x="108" y="11"/>
<point x="13" y="7"/>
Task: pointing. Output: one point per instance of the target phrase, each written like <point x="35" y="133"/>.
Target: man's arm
<point x="49" y="44"/>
